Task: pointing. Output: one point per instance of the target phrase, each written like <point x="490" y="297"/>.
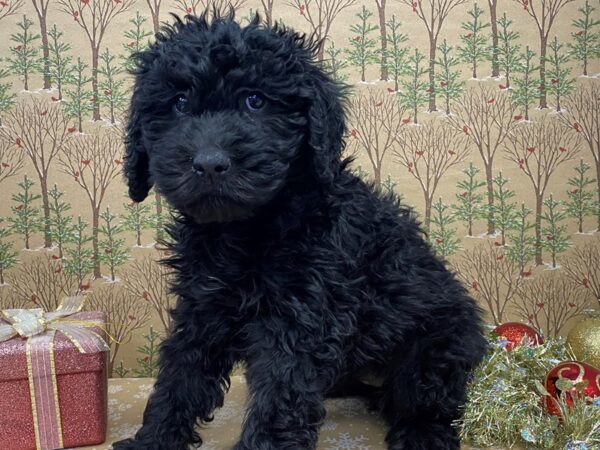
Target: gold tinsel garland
<point x="504" y="404"/>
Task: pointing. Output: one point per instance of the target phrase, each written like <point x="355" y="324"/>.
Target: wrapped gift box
<point x="80" y="387"/>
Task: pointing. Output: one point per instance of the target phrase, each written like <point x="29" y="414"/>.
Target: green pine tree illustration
<point x="527" y="84"/>
<point x="556" y="238"/>
<point x="79" y="260"/>
<point x="581" y="199"/>
<point x="521" y="246"/>
<point x="364" y="49"/>
<point x="148" y="363"/>
<point x="587" y="39"/>
<point x="414" y="89"/>
<point x="442" y="235"/>
<point x="112" y="93"/>
<point x="61" y="70"/>
<point x="78" y="97"/>
<point x="7" y="97"/>
<point x="335" y="64"/>
<point x="388" y="185"/>
<point x="448" y="81"/>
<point x="470" y="206"/>
<point x="475" y="48"/>
<point x="136" y="38"/>
<point x="505" y="210"/>
<point x="62" y="228"/>
<point x="26" y="219"/>
<point x="508" y="50"/>
<point x="558" y="72"/>
<point x="137" y="217"/>
<point x="113" y="253"/>
<point x="25" y="60"/>
<point x="8" y="257"/>
<point x="395" y="53"/>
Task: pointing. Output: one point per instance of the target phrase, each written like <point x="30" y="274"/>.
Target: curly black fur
<point x="287" y="261"/>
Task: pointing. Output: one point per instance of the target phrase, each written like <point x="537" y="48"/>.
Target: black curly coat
<point x="283" y="258"/>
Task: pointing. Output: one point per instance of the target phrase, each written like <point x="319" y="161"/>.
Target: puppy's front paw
<point x="126" y="444"/>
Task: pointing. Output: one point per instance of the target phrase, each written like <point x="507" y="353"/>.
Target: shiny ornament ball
<point x="512" y="334"/>
<point x="584" y="339"/>
<point x="571" y="378"/>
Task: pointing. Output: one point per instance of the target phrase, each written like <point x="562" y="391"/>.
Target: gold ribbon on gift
<point x="39" y="328"/>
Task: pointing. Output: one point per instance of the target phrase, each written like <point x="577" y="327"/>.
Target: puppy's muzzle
<point x="211" y="163"/>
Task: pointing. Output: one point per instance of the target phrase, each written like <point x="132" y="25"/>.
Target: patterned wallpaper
<point x="484" y="116"/>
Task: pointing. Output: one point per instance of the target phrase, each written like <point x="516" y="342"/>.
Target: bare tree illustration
<point x="39" y="130"/>
<point x="582" y="266"/>
<point x="268" y="10"/>
<point x="92" y="161"/>
<point x="94" y="17"/>
<point x="486" y="117"/>
<point x="320" y="15"/>
<point x="432" y="13"/>
<point x="539" y="148"/>
<point x="544" y="13"/>
<point x="582" y="116"/>
<point x="197" y="7"/>
<point x="41" y="9"/>
<point x="376" y="118"/>
<point x="125" y="315"/>
<point x="549" y="301"/>
<point x="11" y="160"/>
<point x="41" y="282"/>
<point x="493" y="278"/>
<point x="147" y="279"/>
<point x="428" y="151"/>
<point x="10" y="7"/>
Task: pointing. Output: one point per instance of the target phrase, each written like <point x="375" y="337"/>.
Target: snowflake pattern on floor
<point x="345" y="441"/>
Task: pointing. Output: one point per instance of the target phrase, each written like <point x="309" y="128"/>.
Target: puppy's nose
<point x="212" y="162"/>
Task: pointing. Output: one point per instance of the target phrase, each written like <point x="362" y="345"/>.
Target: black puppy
<point x="283" y="258"/>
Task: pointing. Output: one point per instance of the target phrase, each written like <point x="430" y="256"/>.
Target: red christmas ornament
<point x="568" y="378"/>
<point x="516" y="333"/>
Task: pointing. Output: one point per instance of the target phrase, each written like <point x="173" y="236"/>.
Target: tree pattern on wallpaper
<point x="456" y="119"/>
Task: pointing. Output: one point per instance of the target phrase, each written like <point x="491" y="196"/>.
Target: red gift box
<point x="72" y="408"/>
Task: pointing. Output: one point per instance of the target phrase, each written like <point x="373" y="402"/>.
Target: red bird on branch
<point x="72" y="129"/>
<point x="131" y="318"/>
<point x="443" y="84"/>
<point x="531" y="149"/>
<point x="19" y="142"/>
<point x="464" y="194"/>
<point x="189" y="9"/>
<point x="379" y="103"/>
<point x="414" y="6"/>
<point x="302" y="8"/>
<point x="517" y="118"/>
<point x="84" y="287"/>
<point x="44" y="112"/>
<point x="500" y="257"/>
<point x="118" y="162"/>
<point x="579" y="33"/>
<point x="526" y="273"/>
<point x="466" y="129"/>
<point x="420" y="152"/>
<point x="475" y="285"/>
<point x="5" y="165"/>
<point x="34" y="299"/>
<point x="501" y="86"/>
<point x="390" y="90"/>
<point x="146" y="295"/>
<point x="354" y="133"/>
<point x="469" y="35"/>
<point x="58" y="269"/>
<point x="3" y="4"/>
<point x="522" y="163"/>
<point x="586" y="283"/>
<point x="20" y="207"/>
<point x="562" y="149"/>
<point x="576" y="127"/>
<point x="406" y="121"/>
<point x="491" y="101"/>
<point x="54" y="99"/>
<point x="86" y="162"/>
<point x="451" y="152"/>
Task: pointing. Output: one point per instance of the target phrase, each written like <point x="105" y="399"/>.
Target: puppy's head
<point x="221" y="115"/>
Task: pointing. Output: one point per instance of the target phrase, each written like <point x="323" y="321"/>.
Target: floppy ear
<point x="326" y="122"/>
<point x="135" y="166"/>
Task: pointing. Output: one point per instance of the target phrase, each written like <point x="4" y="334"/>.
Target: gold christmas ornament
<point x="584" y="339"/>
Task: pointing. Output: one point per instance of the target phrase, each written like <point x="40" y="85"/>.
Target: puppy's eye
<point x="182" y="104"/>
<point x="254" y="102"/>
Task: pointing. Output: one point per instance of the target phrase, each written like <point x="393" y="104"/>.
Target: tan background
<point x="551" y="298"/>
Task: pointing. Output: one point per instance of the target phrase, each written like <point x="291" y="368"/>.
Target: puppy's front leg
<point x="286" y="383"/>
<point x="194" y="370"/>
